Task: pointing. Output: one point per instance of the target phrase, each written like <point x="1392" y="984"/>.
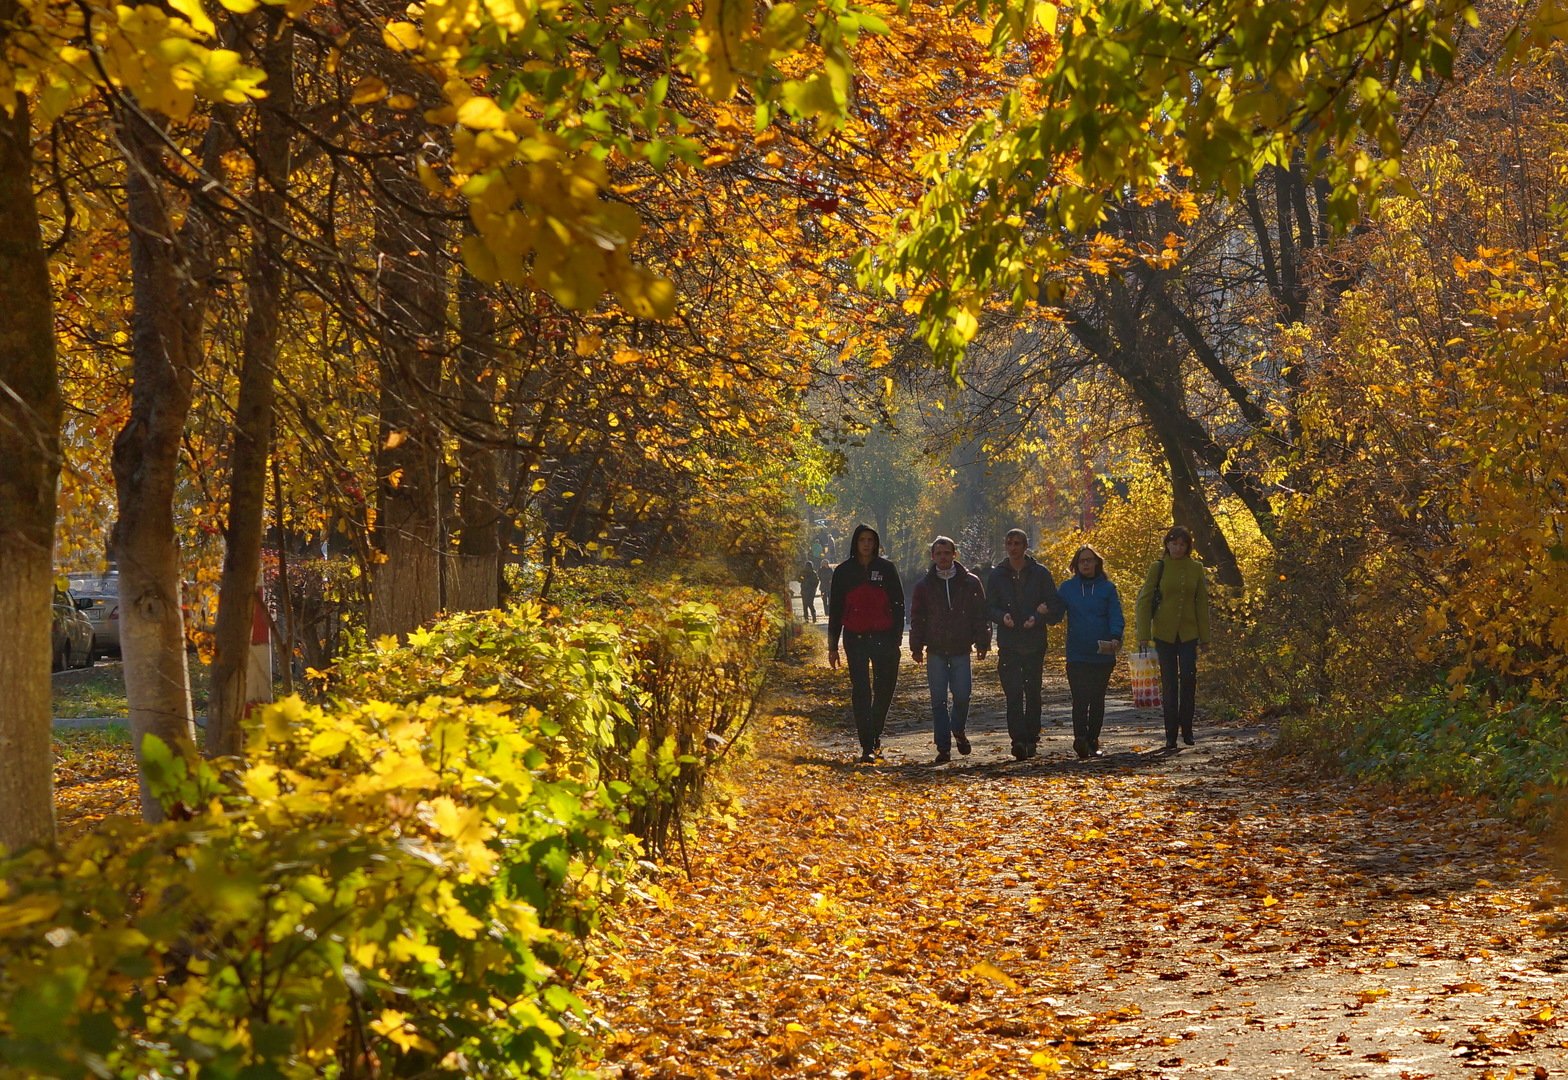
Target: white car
<point x="103" y="589"/>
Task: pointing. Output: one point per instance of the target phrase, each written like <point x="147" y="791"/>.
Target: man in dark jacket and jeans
<point x="866" y="607"/>
<point x="1022" y="598"/>
<point x="947" y="618"/>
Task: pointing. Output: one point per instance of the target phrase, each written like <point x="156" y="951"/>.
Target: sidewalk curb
<point x="72" y="723"/>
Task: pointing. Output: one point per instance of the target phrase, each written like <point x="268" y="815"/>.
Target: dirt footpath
<point x="1202" y="913"/>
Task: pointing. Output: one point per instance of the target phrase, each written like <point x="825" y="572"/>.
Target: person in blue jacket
<point x="1094" y="634"/>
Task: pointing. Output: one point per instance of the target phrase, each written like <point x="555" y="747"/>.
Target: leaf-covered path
<point x="1206" y="913"/>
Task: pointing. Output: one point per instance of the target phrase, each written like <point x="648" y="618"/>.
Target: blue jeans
<point x="949" y="675"/>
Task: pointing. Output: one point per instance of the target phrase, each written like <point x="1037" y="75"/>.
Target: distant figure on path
<point x="1021" y="595"/>
<point x="947" y="618"/>
<point x="1094" y="634"/>
<point x="808" y="592"/>
<point x="866" y="607"/>
<point x="825" y="582"/>
<point x="1173" y="610"/>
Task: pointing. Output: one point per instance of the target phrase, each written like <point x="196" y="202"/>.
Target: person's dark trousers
<point x="1088" y="681"/>
<point x="873" y="673"/>
<point x="1178" y="686"/>
<point x="1021" y="673"/>
<point x="808" y="603"/>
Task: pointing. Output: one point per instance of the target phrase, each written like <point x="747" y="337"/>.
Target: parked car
<point x="71" y="635"/>
<point x="103" y="610"/>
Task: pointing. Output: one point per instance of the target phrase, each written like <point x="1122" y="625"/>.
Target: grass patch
<point x="100" y="691"/>
<point x="76" y="745"/>
<point x="97" y="691"/>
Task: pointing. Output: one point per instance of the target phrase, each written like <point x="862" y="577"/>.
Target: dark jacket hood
<point x="854" y="541"/>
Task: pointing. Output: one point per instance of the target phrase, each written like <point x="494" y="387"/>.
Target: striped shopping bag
<point x="1144" y="666"/>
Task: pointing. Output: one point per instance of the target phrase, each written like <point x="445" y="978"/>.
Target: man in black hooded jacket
<point x="866" y="609"/>
<point x="1022" y="598"/>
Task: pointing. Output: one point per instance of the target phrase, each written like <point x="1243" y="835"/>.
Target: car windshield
<point x="95" y="584"/>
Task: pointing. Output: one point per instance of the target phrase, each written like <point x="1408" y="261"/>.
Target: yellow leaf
<point x="481" y="114"/>
<point x="328" y="743"/>
<point x="402" y="37"/>
<point x="192" y="10"/>
<point x="367" y="90"/>
<point x="1045" y="16"/>
<point x="990" y="971"/>
<point x="261" y="782"/>
<point x="460" y="823"/>
<point x="394" y="1025"/>
<point x="26" y="911"/>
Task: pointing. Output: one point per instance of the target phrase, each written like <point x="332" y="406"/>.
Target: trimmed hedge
<point x="394" y="884"/>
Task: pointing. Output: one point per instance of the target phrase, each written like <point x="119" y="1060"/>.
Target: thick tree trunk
<point x="1152" y="374"/>
<point x="406" y="583"/>
<point x="1190" y="507"/>
<point x="229" y="693"/>
<point x="168" y="290"/>
<point x="30" y="449"/>
<point x="474" y="584"/>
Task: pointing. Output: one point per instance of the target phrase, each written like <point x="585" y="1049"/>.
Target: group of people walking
<point x="812" y="579"/>
<point x="952" y="615"/>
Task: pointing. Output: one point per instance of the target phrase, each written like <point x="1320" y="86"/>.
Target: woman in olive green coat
<point x="1173" y="611"/>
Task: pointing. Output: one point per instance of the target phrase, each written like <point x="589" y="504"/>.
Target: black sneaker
<point x="962" y="742"/>
<point x="866" y="759"/>
<point x="1018" y="751"/>
<point x="1187" y="738"/>
<point x="1170" y="745"/>
<point x="942" y="757"/>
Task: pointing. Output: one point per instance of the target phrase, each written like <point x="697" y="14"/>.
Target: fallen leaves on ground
<point x="94" y="779"/>
<point x="1014" y="921"/>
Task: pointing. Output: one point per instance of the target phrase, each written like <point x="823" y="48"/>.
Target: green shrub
<point x="394" y="884"/>
<point x="646" y="688"/>
<point x="1512" y="751"/>
<point x="382" y="890"/>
